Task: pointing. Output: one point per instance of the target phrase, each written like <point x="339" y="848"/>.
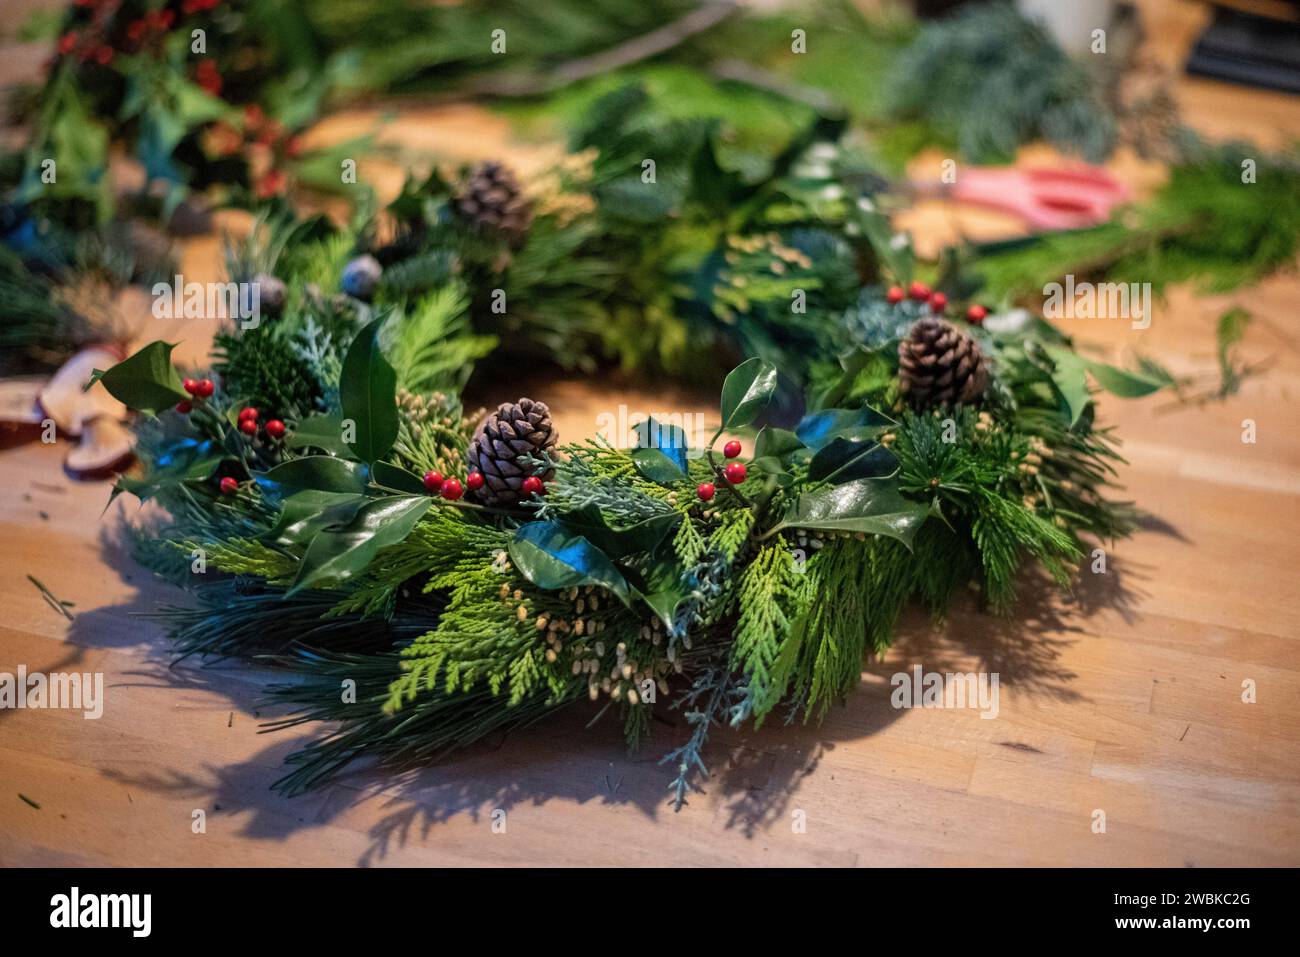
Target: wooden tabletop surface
<point x="1126" y="699"/>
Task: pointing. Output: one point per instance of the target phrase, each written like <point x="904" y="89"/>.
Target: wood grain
<point x="1126" y="698"/>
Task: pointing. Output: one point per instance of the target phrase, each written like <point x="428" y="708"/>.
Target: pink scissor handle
<point x="1043" y="198"/>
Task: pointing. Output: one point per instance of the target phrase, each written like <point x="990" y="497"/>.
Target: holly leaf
<point x="552" y="557"/>
<point x="746" y="392"/>
<point x="820" y="428"/>
<point x="368" y="394"/>
<point x="146" y="382"/>
<point x="305" y="513"/>
<point x="323" y="473"/>
<point x="778" y="443"/>
<point x="873" y="506"/>
<point x="843" y="460"/>
<point x="1070" y="379"/>
<point x="395" y="477"/>
<point x="199" y="467"/>
<point x="773" y="450"/>
<point x="663" y="588"/>
<point x="1126" y="384"/>
<point x="343" y="551"/>
<point x="324" y="432"/>
<point x="643" y="536"/>
<point x="661" y="452"/>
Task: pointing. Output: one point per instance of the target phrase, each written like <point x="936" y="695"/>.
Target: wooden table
<point x="1126" y="701"/>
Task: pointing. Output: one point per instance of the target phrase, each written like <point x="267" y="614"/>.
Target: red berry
<point x="432" y="481"/>
<point x="732" y="449"/>
<point x="705" y="491"/>
<point x="474" y="480"/>
<point x="67" y="43"/>
<point x="191" y="386"/>
<point x="938" y="302"/>
<point x="248" y="426"/>
<point x="229" y="486"/>
<point x="451" y="489"/>
<point x="104" y="56"/>
<point x="735" y="472"/>
<point x="976" y="313"/>
<point x="895" y="294"/>
<point x="184" y="408"/>
<point x="271" y="184"/>
<point x="919" y="291"/>
<point x="275" y="429"/>
<point x="533" y="486"/>
<point x="204" y="388"/>
<point x="248" y="412"/>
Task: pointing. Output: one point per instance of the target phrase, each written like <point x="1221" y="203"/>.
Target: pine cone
<point x="515" y="429"/>
<point x="492" y="201"/>
<point x="939" y="364"/>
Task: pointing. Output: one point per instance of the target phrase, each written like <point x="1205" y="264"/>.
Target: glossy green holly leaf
<point x="146" y="382"/>
<point x="342" y="551"/>
<point x="552" y="557"/>
<point x="843" y="460"/>
<point x="324" y="432"/>
<point x="397" y="478"/>
<point x="324" y="473"/>
<point x="305" y="513"/>
<point x="663" y="587"/>
<point x="619" y="542"/>
<point x="1070" y="379"/>
<point x="873" y="506"/>
<point x="1127" y="384"/>
<point x="368" y="394"/>
<point x="778" y="443"/>
<point x="657" y="466"/>
<point x="746" y="392"/>
<point x="199" y="466"/>
<point x="661" y="451"/>
<point x="819" y="428"/>
<point x="774" y="450"/>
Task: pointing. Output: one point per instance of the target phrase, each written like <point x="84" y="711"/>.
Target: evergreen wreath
<point x="469" y="573"/>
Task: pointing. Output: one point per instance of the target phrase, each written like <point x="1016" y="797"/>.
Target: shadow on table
<point x="755" y="774"/>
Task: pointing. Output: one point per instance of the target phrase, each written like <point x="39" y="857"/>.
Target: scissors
<point x="1046" y="199"/>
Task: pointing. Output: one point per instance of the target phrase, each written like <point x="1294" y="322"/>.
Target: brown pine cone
<point x="515" y="429"/>
<point x="492" y="201"/>
<point x="939" y="364"/>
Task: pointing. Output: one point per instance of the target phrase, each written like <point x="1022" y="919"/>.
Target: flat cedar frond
<point x="766" y="593"/>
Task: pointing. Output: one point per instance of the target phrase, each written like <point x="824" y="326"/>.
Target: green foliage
<point x="431" y="346"/>
<point x="261" y="367"/>
<point x="766" y="593"/>
<point x="1206" y="225"/>
<point x="990" y="79"/>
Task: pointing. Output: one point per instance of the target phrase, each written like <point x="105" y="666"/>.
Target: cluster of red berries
<point x="199" y="388"/>
<point x="208" y="76"/>
<point x="71" y="42"/>
<point x="248" y="423"/>
<point x="920" y="292"/>
<point x="153" y="22"/>
<point x="734" y="472"/>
